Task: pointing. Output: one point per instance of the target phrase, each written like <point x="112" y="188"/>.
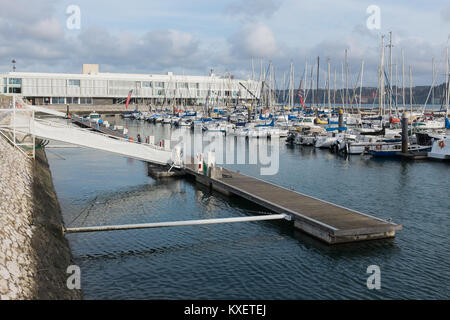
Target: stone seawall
<point x="34" y="254"/>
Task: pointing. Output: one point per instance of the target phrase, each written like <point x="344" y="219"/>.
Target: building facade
<point x="113" y="88"/>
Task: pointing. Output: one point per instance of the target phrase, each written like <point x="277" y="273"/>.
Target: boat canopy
<point x="335" y="122"/>
<point x="337" y="128"/>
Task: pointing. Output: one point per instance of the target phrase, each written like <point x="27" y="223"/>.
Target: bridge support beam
<point x="177" y="223"/>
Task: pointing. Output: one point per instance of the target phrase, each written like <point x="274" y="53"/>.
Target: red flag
<point x="128" y="98"/>
<point x="299" y="93"/>
<point x="301" y="101"/>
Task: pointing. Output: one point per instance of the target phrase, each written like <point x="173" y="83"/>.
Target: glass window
<point x="15" y="81"/>
<point x="75" y="100"/>
<point x="159" y="84"/>
<point x="75" y="83"/>
<point x="68" y="100"/>
<point x="58" y="100"/>
<point x="85" y="100"/>
<point x="15" y="90"/>
<point x="146" y="84"/>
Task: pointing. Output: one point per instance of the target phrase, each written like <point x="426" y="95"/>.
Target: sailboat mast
<point x="410" y="89"/>
<point x="396" y="82"/>
<point x="346" y="77"/>
<point x="253" y="70"/>
<point x="291" y="85"/>
<point x="360" y="85"/>
<point x="317" y="86"/>
<point x="335" y="88"/>
<point x="312" y="88"/>
<point x="382" y="76"/>
<point x="272" y="80"/>
<point x="403" y="77"/>
<point x="306" y="71"/>
<point x="343" y="86"/>
<point x="269" y="98"/>
<point x="447" y="95"/>
<point x="304" y="82"/>
<point x="329" y="93"/>
<point x="390" y="72"/>
<point x="432" y="80"/>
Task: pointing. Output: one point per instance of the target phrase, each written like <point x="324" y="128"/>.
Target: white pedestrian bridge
<point x="21" y="120"/>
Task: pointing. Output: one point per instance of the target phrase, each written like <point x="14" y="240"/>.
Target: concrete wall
<point x="102" y="101"/>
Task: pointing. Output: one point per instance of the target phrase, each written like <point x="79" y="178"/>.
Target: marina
<point x="331" y="221"/>
<point x="222" y="153"/>
<point x="323" y="220"/>
<point x="231" y="255"/>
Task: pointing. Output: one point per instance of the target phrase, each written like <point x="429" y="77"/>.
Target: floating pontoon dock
<point x="326" y="221"/>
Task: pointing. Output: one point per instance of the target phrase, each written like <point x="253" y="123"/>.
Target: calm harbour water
<point x="254" y="260"/>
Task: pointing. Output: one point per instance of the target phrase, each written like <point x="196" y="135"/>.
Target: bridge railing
<point x="69" y="125"/>
<point x="19" y="125"/>
<point x="19" y="133"/>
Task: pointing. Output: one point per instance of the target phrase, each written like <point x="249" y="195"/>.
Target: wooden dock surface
<point x="321" y="219"/>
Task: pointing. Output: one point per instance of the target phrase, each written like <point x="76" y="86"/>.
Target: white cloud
<point x="280" y="30"/>
<point x="49" y="29"/>
<point x="254" y="40"/>
<point x="253" y="8"/>
<point x="445" y="13"/>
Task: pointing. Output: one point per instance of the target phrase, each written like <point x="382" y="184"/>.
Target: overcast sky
<point x="191" y="37"/>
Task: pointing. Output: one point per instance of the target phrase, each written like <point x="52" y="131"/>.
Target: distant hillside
<point x="419" y="94"/>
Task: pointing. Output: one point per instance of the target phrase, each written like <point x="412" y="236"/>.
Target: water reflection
<point x="243" y="260"/>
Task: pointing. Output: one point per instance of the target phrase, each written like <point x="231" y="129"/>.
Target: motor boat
<point x="440" y="148"/>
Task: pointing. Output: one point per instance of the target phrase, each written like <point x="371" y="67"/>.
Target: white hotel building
<point x="93" y="87"/>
